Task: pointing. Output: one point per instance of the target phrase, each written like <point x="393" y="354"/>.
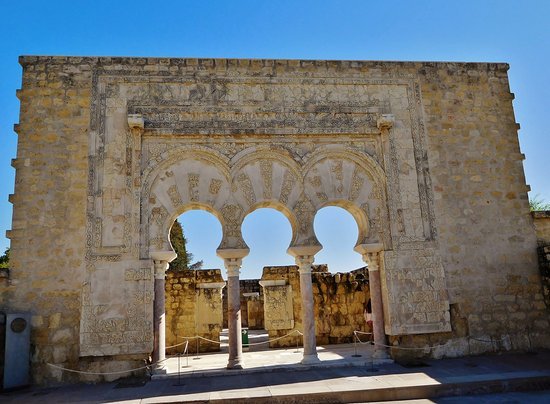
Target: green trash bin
<point x="244" y="333"/>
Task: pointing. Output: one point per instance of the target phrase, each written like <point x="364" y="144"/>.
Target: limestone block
<point x="278" y="306"/>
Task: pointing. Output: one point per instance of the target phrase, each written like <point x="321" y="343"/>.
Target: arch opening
<point x="193" y="289"/>
<point x="338" y="231"/>
<point x="268" y="233"/>
<point x="202" y="231"/>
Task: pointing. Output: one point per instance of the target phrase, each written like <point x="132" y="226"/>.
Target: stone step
<point x="406" y="389"/>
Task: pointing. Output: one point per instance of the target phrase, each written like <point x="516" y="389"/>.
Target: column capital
<point x="232" y="259"/>
<point x="304" y="263"/>
<point x="233" y="266"/>
<point x="160" y="269"/>
<point x="167" y="256"/>
<point x="370" y="254"/>
<point x="160" y="261"/>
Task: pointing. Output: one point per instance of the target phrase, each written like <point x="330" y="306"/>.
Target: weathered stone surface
<point x="193" y="308"/>
<point x="340" y="302"/>
<point x="425" y="156"/>
<point x="541" y="220"/>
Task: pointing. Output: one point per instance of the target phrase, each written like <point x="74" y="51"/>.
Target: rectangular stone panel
<point x="414" y="291"/>
<point x="117" y="310"/>
<point x="209" y="310"/>
<point x="278" y="309"/>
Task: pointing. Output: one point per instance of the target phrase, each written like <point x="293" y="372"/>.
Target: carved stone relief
<point x="198" y="149"/>
<point x="278" y="308"/>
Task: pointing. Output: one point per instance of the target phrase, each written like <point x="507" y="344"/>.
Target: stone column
<point x="371" y="256"/>
<point x="160" y="262"/>
<point x="233" y="261"/>
<point x="305" y="257"/>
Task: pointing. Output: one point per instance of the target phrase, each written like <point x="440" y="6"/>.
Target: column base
<point x="380" y="354"/>
<point x="310" y="359"/>
<point x="235" y="364"/>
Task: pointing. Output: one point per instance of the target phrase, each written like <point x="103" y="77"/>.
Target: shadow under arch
<point x="343" y="217"/>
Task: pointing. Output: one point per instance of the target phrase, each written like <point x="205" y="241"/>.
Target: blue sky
<point x="516" y="32"/>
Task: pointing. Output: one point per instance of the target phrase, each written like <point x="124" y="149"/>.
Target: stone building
<point x="425" y="156"/>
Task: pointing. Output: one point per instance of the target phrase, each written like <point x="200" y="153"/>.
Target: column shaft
<point x="234" y="316"/>
<point x="308" y="316"/>
<point x="379" y="334"/>
<point x="159" y="317"/>
<point x="160" y="321"/>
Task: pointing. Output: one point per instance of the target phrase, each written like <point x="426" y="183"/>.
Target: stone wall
<point x="339" y="303"/>
<point x="48" y="237"/>
<point x="542" y="228"/>
<point x="541" y="220"/>
<point x="251" y="319"/>
<point x="442" y="188"/>
<point x="193" y="307"/>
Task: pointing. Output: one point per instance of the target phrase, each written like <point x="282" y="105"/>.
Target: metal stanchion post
<point x="187" y="352"/>
<point x="355" y="338"/>
<point x="197" y="347"/>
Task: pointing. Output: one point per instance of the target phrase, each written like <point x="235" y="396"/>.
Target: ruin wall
<point x="460" y="264"/>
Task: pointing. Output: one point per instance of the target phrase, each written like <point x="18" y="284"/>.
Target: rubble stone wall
<point x="193" y="307"/>
<point x="542" y="228"/>
<point x="340" y="301"/>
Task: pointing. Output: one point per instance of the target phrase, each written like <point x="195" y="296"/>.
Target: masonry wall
<point x="248" y="286"/>
<point x="339" y="304"/>
<point x="541" y="221"/>
<point x="461" y="228"/>
<point x="193" y="311"/>
<point x="484" y="228"/>
<point x="48" y="236"/>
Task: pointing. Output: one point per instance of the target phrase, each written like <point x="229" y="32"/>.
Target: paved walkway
<point x="261" y="361"/>
<point x="339" y="377"/>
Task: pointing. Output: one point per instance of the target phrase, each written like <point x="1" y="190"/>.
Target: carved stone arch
<point x="258" y="152"/>
<point x="188" y="178"/>
<point x="304" y="211"/>
<point x="353" y="181"/>
<point x="363" y="160"/>
<point x="169" y="157"/>
<point x="266" y="175"/>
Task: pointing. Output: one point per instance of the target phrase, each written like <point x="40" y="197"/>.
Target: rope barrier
<point x="359" y="339"/>
<point x="104" y="373"/>
<point x="218" y="342"/>
<point x="186" y="343"/>
<point x="355" y="332"/>
<point x="275" y="339"/>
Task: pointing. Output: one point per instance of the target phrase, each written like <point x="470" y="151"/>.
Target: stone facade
<point x="193" y="308"/>
<point x="425" y="156"/>
<point x="541" y="220"/>
<point x="340" y="301"/>
<point x="542" y="228"/>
